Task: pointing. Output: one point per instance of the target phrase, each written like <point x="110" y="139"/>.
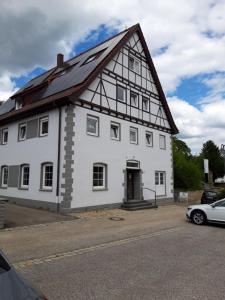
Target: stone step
<point x="136" y="205"/>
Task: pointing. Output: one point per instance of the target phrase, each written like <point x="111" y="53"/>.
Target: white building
<point x="93" y="131"/>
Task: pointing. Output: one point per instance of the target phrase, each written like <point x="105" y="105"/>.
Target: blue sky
<point x="186" y="40"/>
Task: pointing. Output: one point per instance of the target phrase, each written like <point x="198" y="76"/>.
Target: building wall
<point x="33" y="151"/>
<point x="90" y="149"/>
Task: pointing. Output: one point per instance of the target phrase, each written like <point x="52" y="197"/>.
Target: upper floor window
<point x="121" y="93"/>
<point x="133" y="99"/>
<point x="43" y="126"/>
<point x="22" y="132"/>
<point x="99" y="176"/>
<point x="133" y="135"/>
<point x="162" y="141"/>
<point x="134" y="64"/>
<point x="149" y="138"/>
<point x="145" y="104"/>
<point x="47" y="176"/>
<point x="115" y="131"/>
<point x="24" y="176"/>
<point x="4" y="136"/>
<point x="92" y="125"/>
<point x="4" y="176"/>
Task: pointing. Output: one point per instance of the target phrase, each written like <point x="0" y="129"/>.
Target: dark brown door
<point x="130" y="184"/>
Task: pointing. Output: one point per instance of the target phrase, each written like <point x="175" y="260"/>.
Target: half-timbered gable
<point x="126" y="85"/>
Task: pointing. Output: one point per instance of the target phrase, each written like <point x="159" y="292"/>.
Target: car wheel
<point x="198" y="217"/>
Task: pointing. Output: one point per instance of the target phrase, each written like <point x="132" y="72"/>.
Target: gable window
<point x="24" y="176"/>
<point x="162" y="141"/>
<point x="43" y="126"/>
<point x="99" y="176"/>
<point x="93" y="57"/>
<point x="47" y="176"/>
<point x="115" y="131"/>
<point x="4" y="136"/>
<point x="22" y="132"/>
<point x="149" y="138"/>
<point x="92" y="125"/>
<point x="133" y="135"/>
<point x="4" y="176"/>
<point x="134" y="64"/>
<point x="133" y="99"/>
<point x="19" y="104"/>
<point x="145" y="104"/>
<point x="121" y="93"/>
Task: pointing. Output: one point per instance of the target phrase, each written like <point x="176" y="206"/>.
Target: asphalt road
<point x="183" y="262"/>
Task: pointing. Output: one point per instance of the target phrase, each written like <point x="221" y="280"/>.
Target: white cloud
<point x="197" y="125"/>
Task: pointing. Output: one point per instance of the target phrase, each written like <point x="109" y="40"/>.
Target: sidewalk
<point x="90" y="229"/>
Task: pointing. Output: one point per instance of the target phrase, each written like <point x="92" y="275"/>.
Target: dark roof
<point x="75" y="75"/>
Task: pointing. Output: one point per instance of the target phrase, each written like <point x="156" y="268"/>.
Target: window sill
<point x="114" y="139"/>
<point x="3" y="187"/>
<point x="23" y="188"/>
<point x="45" y="190"/>
<point x="92" y="134"/>
<point x="43" y="135"/>
<point x="133" y="143"/>
<point x="151" y="146"/>
<point x="99" y="190"/>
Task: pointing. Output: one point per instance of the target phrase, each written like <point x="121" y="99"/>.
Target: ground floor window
<point x="25" y="175"/>
<point x="47" y="176"/>
<point x="99" y="176"/>
<point x="4" y="175"/>
<point x="159" y="178"/>
<point x="160" y="183"/>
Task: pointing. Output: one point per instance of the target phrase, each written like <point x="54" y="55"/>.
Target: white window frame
<point x="124" y="93"/>
<point x="43" y="176"/>
<point x="134" y="99"/>
<point x="19" y="104"/>
<point x="158" y="176"/>
<point x="146" y="140"/>
<point x="162" y="141"/>
<point x="135" y="164"/>
<point x="135" y="66"/>
<point x="41" y="121"/>
<point x="19" y="133"/>
<point x="144" y="99"/>
<point x="96" y="133"/>
<point x="134" y="129"/>
<point x="117" y="125"/>
<point x="22" y="167"/>
<point x="103" y="186"/>
<point x="3" y="168"/>
<point x="4" y="142"/>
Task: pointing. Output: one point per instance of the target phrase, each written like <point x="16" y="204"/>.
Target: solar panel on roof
<point x="7" y="106"/>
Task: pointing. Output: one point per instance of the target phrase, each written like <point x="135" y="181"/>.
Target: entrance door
<point x="133" y="184"/>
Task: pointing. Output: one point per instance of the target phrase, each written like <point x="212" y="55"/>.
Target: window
<point x="47" y="176"/>
<point x="24" y="176"/>
<point x="149" y="138"/>
<point x="92" y="125"/>
<point x="159" y="178"/>
<point x="19" y="104"/>
<point x="93" y="57"/>
<point x="121" y="93"/>
<point x="43" y="126"/>
<point x="22" y="131"/>
<point x="133" y="99"/>
<point x="115" y="131"/>
<point x="133" y="135"/>
<point x="145" y="104"/>
<point x="132" y="164"/>
<point x="162" y="141"/>
<point x="4" y="174"/>
<point x="134" y="64"/>
<point x="99" y="176"/>
<point x="4" y="136"/>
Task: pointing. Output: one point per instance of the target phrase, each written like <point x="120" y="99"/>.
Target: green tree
<point x="211" y="152"/>
<point x="187" y="172"/>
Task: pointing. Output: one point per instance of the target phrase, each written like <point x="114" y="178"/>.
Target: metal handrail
<point x="144" y="188"/>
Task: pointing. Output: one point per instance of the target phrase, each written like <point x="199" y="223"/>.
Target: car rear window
<point x="4" y="266"/>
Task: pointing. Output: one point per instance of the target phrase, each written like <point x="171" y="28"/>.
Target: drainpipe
<point x="58" y="159"/>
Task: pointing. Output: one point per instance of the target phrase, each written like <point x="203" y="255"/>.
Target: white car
<point x="202" y="213"/>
